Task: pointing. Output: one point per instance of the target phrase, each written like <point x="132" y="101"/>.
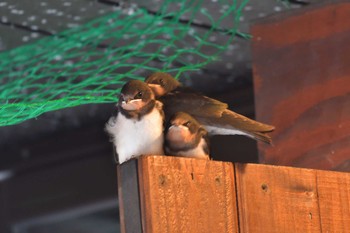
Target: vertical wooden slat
<point x="128" y="194"/>
<point x="334" y="201"/>
<point x="276" y="199"/>
<point x="187" y="195"/>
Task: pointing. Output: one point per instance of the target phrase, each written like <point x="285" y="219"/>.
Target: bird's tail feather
<point x="263" y="137"/>
<point x="260" y="136"/>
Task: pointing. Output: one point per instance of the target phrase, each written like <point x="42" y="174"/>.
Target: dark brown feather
<point x="192" y="103"/>
<point x="212" y="112"/>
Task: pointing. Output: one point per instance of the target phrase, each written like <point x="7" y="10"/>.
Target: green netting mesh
<point x="90" y="63"/>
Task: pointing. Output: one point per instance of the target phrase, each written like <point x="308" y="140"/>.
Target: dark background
<point x="57" y="172"/>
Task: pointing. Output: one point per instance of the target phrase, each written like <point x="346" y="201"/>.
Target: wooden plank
<point x="334" y="201"/>
<point x="302" y="86"/>
<point x="187" y="195"/>
<point x="276" y="199"/>
<point x="172" y="194"/>
<point x="128" y="194"/>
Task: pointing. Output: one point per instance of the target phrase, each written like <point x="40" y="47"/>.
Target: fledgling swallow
<point x="184" y="136"/>
<point x="137" y="129"/>
<point x="214" y="115"/>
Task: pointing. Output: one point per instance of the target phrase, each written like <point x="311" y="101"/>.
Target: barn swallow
<point x="137" y="129"/>
<point x="185" y="137"/>
<point x="214" y="115"/>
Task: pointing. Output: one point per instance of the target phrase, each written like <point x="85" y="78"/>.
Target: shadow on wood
<point x="191" y="195"/>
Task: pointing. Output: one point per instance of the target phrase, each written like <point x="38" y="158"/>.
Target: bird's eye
<point x="121" y="97"/>
<point x="161" y="81"/>
<point x="139" y="95"/>
<point x="187" y="124"/>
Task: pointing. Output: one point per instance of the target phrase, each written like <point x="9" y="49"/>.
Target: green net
<point x="89" y="64"/>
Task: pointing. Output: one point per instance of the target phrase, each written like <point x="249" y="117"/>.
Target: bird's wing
<point x="210" y="111"/>
<point x="241" y="122"/>
<point x="215" y="115"/>
<point x="192" y="103"/>
<point x="231" y="123"/>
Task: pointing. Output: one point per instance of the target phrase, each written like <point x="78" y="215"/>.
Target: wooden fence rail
<point x="162" y="194"/>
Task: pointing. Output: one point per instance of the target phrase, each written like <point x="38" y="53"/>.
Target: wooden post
<point x="187" y="195"/>
<point x="129" y="198"/>
<point x="302" y="85"/>
<point x="182" y="195"/>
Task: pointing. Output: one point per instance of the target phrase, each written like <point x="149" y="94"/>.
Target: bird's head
<point x="161" y="83"/>
<point x="183" y="128"/>
<point x="134" y="95"/>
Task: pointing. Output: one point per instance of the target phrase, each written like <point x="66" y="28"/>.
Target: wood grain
<point x="334" y="201"/>
<point x="187" y="195"/>
<point x="302" y="86"/>
<point x="170" y="194"/>
<point x="277" y="199"/>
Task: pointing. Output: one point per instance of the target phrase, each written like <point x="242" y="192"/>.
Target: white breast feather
<point x="133" y="138"/>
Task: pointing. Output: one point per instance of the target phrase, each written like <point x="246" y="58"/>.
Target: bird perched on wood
<point x="214" y="115"/>
<point x="137" y="129"/>
<point x="184" y="136"/>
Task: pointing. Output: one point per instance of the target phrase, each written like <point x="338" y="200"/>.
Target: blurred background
<point x="57" y="173"/>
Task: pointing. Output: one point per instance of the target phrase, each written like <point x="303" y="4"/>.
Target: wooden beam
<point x="302" y="85"/>
<point x="176" y="194"/>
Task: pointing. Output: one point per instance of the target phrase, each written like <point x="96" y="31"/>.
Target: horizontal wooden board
<point x="275" y="199"/>
<point x="190" y="195"/>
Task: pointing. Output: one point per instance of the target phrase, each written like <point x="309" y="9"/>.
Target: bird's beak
<point x="132" y="104"/>
<point x="125" y="99"/>
<point x="177" y="127"/>
<point x="172" y="127"/>
<point x="152" y="85"/>
<point x="178" y="133"/>
<point x="157" y="89"/>
<point x="125" y="102"/>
